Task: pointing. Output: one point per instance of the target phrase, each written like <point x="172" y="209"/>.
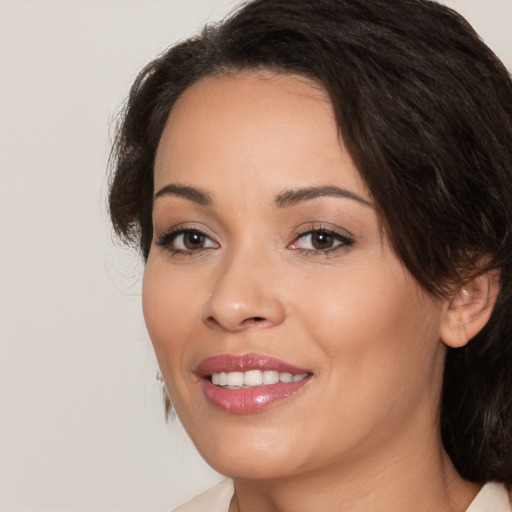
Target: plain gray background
<point x="81" y="421"/>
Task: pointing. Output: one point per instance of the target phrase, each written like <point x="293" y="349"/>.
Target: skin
<point x="364" y="433"/>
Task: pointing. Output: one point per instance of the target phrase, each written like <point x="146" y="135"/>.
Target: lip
<point x="244" y="363"/>
<point x="253" y="399"/>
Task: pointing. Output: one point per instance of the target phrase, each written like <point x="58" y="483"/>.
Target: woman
<point x="322" y="191"/>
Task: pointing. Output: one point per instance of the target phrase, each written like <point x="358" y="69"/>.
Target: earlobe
<point x="469" y="309"/>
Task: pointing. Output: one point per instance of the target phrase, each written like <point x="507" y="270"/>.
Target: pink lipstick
<point x="249" y="383"/>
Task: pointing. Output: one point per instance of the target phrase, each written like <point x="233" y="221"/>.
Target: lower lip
<point x="249" y="400"/>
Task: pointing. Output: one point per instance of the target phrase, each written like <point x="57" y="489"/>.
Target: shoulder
<point x="492" y="498"/>
<point x="216" y="499"/>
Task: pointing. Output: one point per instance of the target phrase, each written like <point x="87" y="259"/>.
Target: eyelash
<point x="344" y="241"/>
<point x="166" y="239"/>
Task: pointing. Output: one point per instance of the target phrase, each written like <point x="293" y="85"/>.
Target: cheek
<point x="170" y="312"/>
<point x="379" y="350"/>
<point x="375" y="328"/>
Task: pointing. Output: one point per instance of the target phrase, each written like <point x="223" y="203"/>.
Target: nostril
<point x="253" y="319"/>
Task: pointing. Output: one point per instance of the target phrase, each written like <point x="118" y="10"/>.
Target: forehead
<point x="279" y="128"/>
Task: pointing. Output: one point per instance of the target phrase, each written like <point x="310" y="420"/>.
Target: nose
<point x="244" y="294"/>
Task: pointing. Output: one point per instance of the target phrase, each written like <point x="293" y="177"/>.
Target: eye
<point x="320" y="241"/>
<point x="186" y="241"/>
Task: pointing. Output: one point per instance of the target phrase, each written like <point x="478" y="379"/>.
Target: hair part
<point x="425" y="110"/>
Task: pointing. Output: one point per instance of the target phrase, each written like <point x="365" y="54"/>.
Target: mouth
<point x="254" y="378"/>
<point x="249" y="383"/>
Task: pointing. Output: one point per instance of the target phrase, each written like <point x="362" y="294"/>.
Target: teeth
<point x="270" y="377"/>
<point x="285" y="377"/>
<point x="235" y="379"/>
<point x="254" y="378"/>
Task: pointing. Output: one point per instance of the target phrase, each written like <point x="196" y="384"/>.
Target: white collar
<point x="492" y="497"/>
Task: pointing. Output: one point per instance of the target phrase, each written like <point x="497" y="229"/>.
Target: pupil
<point x="322" y="241"/>
<point x="193" y="240"/>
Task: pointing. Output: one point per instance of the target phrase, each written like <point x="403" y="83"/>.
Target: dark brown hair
<point x="425" y="109"/>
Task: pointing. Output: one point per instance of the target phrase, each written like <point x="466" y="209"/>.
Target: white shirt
<point x="492" y="498"/>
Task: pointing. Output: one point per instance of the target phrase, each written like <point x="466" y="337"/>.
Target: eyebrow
<point x="191" y="193"/>
<point x="283" y="200"/>
<point x="294" y="197"/>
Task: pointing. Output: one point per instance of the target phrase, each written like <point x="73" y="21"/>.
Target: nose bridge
<point x="243" y="292"/>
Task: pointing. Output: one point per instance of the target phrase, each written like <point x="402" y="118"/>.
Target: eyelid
<point x="165" y="239"/>
<point x="345" y="238"/>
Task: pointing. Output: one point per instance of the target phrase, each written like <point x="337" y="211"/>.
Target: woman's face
<point x="268" y="259"/>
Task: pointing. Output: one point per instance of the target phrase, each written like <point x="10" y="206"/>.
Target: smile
<point x="249" y="383"/>
<point x="241" y="380"/>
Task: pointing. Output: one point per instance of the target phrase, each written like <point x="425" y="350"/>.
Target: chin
<point x="245" y="454"/>
<point x="248" y="467"/>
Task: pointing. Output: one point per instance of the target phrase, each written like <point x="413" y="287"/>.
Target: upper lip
<point x="244" y="363"/>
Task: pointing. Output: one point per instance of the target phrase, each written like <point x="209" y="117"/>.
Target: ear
<point x="469" y="309"/>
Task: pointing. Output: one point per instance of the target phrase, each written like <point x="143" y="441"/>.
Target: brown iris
<point x="193" y="240"/>
<point x="321" y="240"/>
